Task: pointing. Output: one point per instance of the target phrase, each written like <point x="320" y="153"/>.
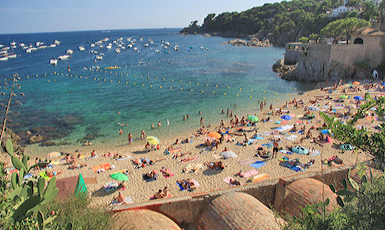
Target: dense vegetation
<point x="282" y="22"/>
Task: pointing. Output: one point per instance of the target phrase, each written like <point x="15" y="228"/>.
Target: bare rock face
<point x="36" y="139"/>
<point x="252" y="41"/>
<point x="318" y="72"/>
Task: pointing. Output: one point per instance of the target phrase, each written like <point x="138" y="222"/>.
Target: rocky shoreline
<point x="252" y="41"/>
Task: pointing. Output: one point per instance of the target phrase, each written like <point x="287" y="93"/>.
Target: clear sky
<point x="28" y="16"/>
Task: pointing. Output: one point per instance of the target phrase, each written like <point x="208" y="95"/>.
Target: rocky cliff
<point x="318" y="72"/>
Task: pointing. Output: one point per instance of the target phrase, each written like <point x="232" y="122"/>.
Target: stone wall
<point x="185" y="210"/>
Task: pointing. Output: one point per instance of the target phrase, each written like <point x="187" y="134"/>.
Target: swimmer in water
<point x="120" y="131"/>
<point x="152" y="126"/>
<point x="159" y="124"/>
<point x="168" y="123"/>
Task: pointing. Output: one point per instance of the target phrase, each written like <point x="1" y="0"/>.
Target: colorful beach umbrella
<point x="253" y="118"/>
<point x="356" y="83"/>
<point x="214" y="135"/>
<point x="80" y="188"/>
<point x="152" y="140"/>
<point x="228" y="154"/>
<point x="286" y="117"/>
<point x="119" y="176"/>
<point x="358" y="98"/>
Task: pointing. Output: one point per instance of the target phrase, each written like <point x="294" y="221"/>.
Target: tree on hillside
<point x="354" y="3"/>
<point x="343" y="28"/>
<point x="381" y="12"/>
<point x="369" y="10"/>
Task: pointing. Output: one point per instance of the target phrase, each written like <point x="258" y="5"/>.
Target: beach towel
<point x="268" y="145"/>
<point x="28" y="176"/>
<point x="193" y="180"/>
<point x="284" y="122"/>
<point x="257" y="164"/>
<point x="249" y="173"/>
<point x="126" y="199"/>
<point x="44" y="175"/>
<point x="188" y="160"/>
<point x="291" y="137"/>
<point x="277" y="122"/>
<point x="101" y="168"/>
<point x="93" y="157"/>
<point x="124" y="158"/>
<point x="316" y="153"/>
<point x="172" y="151"/>
<point x="258" y="177"/>
<point x="285" y="127"/>
<point x="167" y="170"/>
<point x="286" y="151"/>
<point x="258" y="138"/>
<point x="247" y="161"/>
<point x="147" y="179"/>
<point x="227" y="180"/>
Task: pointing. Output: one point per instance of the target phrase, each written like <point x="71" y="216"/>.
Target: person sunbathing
<point x="122" y="186"/>
<point x="77" y="166"/>
<point x="93" y="153"/>
<point x="159" y="194"/>
<point x="215" y="165"/>
<point x="182" y="183"/>
<point x="191" y="184"/>
<point x="156" y="160"/>
<point x="120" y="198"/>
<point x="53" y="173"/>
<point x="151" y="174"/>
<point x="187" y="159"/>
<point x="166" y="172"/>
<point x="308" y="134"/>
<point x="166" y="192"/>
<point x="176" y="156"/>
<point x="234" y="182"/>
<point x="294" y="129"/>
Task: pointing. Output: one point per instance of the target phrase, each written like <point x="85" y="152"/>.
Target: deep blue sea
<point x="147" y="87"/>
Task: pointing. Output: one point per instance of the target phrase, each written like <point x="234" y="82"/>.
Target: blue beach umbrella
<point x="286" y="117"/>
<point x="358" y="98"/>
<point x="325" y="131"/>
<point x="383" y="83"/>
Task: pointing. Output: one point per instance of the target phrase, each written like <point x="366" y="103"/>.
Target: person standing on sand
<point x="275" y="148"/>
<point x="168" y="122"/>
<point x="202" y="123"/>
<point x="129" y="138"/>
<point x="159" y="124"/>
<point x="143" y="135"/>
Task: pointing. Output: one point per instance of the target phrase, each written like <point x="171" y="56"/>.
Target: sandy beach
<point x="210" y="179"/>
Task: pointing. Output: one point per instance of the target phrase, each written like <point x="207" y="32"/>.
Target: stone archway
<point x="358" y="41"/>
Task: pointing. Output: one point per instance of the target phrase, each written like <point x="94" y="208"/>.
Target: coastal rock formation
<point x="281" y="68"/>
<point x="317" y="72"/>
<point x="10" y="135"/>
<point x="252" y="41"/>
<point x="36" y="139"/>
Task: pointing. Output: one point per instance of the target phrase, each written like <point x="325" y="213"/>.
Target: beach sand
<point x="140" y="190"/>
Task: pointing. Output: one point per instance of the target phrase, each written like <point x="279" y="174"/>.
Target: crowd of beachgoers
<point x="276" y="141"/>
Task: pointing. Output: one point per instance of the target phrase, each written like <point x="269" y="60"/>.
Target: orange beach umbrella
<point x="214" y="135"/>
<point x="356" y="83"/>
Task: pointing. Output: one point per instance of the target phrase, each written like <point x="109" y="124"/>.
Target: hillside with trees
<point x="282" y="22"/>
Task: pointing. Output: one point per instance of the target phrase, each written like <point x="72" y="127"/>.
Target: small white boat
<point x="176" y="48"/>
<point x="29" y="50"/>
<point x="135" y="48"/>
<point x="57" y="42"/>
<point x="6" y="48"/>
<point x="92" y="45"/>
<point x="117" y="50"/>
<point x="1" y="46"/>
<point x="158" y="51"/>
<point x="99" y="57"/>
<point x="21" y="44"/>
<point x="123" y="48"/>
<point x="81" y="48"/>
<point x="146" y="45"/>
<point x="129" y="46"/>
<point x="12" y="43"/>
<point x="70" y="51"/>
<point x="3" y="58"/>
<point x="42" y="47"/>
<point x="63" y="57"/>
<point x="13" y="47"/>
<point x="52" y="45"/>
<point x="12" y="56"/>
<point x="202" y="48"/>
<point x="53" y="61"/>
<point x="109" y="46"/>
<point x="3" y="52"/>
<point x="167" y="43"/>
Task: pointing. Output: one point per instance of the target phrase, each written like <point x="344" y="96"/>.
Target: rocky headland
<point x="251" y="41"/>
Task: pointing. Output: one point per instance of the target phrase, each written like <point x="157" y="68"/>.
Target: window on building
<point x="358" y="41"/>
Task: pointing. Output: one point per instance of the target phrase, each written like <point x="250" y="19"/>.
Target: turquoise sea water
<point x="167" y="85"/>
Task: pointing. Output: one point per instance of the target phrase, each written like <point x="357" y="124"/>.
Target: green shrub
<point x="362" y="64"/>
<point x="79" y="212"/>
<point x="303" y="39"/>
